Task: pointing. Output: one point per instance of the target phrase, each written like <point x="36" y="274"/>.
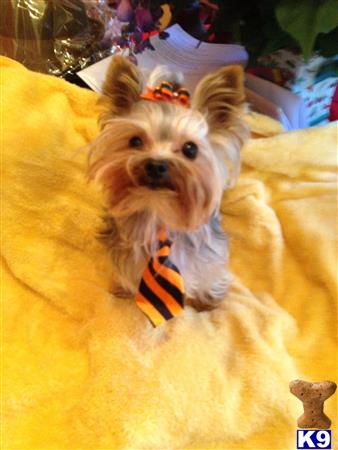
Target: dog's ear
<point x="122" y="86"/>
<point x="220" y="96"/>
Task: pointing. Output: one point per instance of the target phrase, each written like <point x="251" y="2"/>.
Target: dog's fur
<point x="187" y="204"/>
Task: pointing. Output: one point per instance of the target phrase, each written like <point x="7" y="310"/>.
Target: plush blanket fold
<point x="85" y="370"/>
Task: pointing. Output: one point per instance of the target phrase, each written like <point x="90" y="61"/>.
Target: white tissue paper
<point x="183" y="53"/>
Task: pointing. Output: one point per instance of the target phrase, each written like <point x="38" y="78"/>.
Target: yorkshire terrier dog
<point x="163" y="164"/>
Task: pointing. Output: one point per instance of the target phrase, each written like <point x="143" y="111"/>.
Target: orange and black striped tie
<point x="161" y="291"/>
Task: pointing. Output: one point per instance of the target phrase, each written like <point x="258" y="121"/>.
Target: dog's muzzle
<point x="156" y="174"/>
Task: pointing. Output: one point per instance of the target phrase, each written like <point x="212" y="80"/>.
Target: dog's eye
<point x="190" y="150"/>
<point x="135" y="142"/>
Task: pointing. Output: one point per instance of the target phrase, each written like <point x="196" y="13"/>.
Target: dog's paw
<point x="121" y="292"/>
<point x="203" y="302"/>
<point x="209" y="300"/>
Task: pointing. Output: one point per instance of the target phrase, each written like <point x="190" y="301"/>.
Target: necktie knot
<point x="162" y="238"/>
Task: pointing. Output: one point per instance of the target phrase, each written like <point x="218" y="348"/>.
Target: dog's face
<point x="161" y="157"/>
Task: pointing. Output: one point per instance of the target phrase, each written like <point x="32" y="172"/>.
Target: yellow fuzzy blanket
<point x="85" y="370"/>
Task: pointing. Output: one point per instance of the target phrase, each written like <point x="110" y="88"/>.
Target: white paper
<point x="183" y="53"/>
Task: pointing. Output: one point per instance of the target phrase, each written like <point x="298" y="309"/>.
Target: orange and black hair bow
<point x="166" y="91"/>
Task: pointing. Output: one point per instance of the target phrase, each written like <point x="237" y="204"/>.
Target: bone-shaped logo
<point x="313" y="396"/>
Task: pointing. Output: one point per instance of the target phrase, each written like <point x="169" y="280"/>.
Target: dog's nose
<point x="156" y="169"/>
